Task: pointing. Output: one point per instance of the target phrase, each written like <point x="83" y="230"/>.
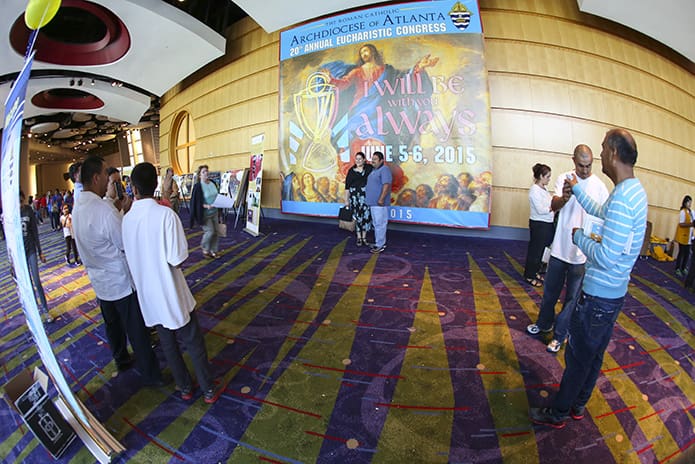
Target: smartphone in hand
<point x="119" y="190"/>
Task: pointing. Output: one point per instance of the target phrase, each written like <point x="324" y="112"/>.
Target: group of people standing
<point x="368" y="195"/>
<point x="132" y="252"/>
<point x="594" y="268"/>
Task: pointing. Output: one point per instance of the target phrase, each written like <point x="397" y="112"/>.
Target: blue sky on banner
<point x="393" y="21"/>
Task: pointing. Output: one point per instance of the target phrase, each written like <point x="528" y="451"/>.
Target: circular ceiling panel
<point x="65" y="133"/>
<point x="44" y="127"/>
<point x="81" y="34"/>
<point x="67" y="99"/>
<point x="81" y="117"/>
<point x="105" y="137"/>
<point x="89" y="146"/>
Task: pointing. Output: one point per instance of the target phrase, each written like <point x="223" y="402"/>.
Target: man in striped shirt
<point x="610" y="258"/>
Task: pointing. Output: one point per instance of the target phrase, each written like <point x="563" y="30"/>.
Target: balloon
<point x="40" y="12"/>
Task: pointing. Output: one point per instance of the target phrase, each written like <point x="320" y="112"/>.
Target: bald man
<point x="609" y="262"/>
<point x="566" y="265"/>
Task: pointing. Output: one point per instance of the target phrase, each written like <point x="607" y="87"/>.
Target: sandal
<point x="540" y="278"/>
<point x="534" y="282"/>
<point x="359" y="241"/>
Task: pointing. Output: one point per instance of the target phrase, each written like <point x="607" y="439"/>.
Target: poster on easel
<point x="253" y="195"/>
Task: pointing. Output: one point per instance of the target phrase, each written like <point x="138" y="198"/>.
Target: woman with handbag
<point x="202" y="212"/>
<point x="355" y="183"/>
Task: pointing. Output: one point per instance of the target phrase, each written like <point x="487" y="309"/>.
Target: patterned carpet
<point x="330" y="354"/>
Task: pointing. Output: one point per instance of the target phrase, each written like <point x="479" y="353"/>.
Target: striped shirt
<point x="610" y="261"/>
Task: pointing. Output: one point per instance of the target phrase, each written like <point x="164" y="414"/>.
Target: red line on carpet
<point x="626" y="366"/>
<point x="154" y="442"/>
<point x="87" y="317"/>
<point x="615" y="412"/>
<point x="263" y="458"/>
<point x="289" y="408"/>
<point x="328" y="437"/>
<point x="542" y="385"/>
<point x="680" y="450"/>
<point x="645" y="448"/>
<point x="423" y="408"/>
<point x="484" y="323"/>
<point x="650" y="415"/>
<point x="362" y="324"/>
<point x="491" y="372"/>
<point x="414" y="346"/>
<point x="626" y="339"/>
<point x="688" y="408"/>
<point x="517" y="434"/>
<point x="297" y="321"/>
<point x="348" y="371"/>
<point x="656" y="349"/>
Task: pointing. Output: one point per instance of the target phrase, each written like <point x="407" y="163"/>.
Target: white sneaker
<point x="554" y="346"/>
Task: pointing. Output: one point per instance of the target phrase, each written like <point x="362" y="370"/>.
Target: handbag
<point x="222" y="229"/>
<point x="345" y="220"/>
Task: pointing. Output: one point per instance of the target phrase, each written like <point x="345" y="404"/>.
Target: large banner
<point x="407" y="80"/>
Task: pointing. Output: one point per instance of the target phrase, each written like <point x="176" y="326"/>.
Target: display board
<point x="407" y="80"/>
<point x="253" y="195"/>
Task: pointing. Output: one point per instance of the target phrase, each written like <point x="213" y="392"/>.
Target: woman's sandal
<point x="534" y="282"/>
<point x="540" y="278"/>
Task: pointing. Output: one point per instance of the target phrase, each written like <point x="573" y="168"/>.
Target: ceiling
<point x="101" y="66"/>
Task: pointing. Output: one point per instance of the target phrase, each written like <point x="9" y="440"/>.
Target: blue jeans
<point x="558" y="275"/>
<point x="33" y="265"/>
<point x="590" y="331"/>
<point x="380" y="218"/>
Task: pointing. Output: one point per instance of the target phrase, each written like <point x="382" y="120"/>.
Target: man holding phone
<point x="115" y="191"/>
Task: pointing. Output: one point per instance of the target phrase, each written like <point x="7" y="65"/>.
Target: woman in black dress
<point x="355" y="183"/>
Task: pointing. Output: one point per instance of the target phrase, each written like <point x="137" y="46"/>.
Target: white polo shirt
<point x="155" y="244"/>
<point x="572" y="215"/>
<point x="96" y="224"/>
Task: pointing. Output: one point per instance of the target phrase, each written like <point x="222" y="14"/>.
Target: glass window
<point x="183" y="144"/>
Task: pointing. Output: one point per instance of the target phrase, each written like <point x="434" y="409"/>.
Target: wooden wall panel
<point x="556" y="80"/>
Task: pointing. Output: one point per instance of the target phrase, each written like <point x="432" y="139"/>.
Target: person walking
<point x="202" y="212"/>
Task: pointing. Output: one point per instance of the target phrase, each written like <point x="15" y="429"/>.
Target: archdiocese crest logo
<point x="460" y="16"/>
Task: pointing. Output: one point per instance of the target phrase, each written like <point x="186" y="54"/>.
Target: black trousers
<point x="194" y="343"/>
<point x="683" y="255"/>
<point x="123" y="321"/>
<point x="541" y="236"/>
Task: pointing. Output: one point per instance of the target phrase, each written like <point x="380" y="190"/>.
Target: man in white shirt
<point x="566" y="265"/>
<point x="166" y="301"/>
<point x="97" y="227"/>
